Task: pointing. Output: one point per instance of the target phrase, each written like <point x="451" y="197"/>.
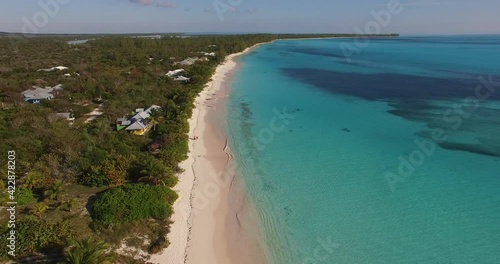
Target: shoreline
<point x="207" y="217"/>
<point x="202" y="229"/>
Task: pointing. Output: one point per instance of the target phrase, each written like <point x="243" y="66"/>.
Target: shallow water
<point x="391" y="157"/>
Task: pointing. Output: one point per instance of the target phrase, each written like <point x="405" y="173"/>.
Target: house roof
<point x="174" y="72"/>
<point x="39" y="96"/>
<point x="36" y="92"/>
<point x="138" y="121"/>
<point x="123" y="121"/>
<point x="188" y="61"/>
<point x="181" y="79"/>
<point x="61" y="68"/>
<point x="145" y="114"/>
<point x="57" y="87"/>
<point x="65" y="115"/>
<point x="138" y="125"/>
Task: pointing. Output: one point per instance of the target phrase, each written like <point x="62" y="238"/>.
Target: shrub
<point x="24" y="196"/>
<point x="133" y="202"/>
<point x="94" y="177"/>
<point x="35" y="235"/>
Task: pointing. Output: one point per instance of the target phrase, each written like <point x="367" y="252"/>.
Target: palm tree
<point x="30" y="180"/>
<point x="154" y="172"/>
<point x="39" y="209"/>
<point x="88" y="252"/>
<point x="155" y="118"/>
<point x="69" y="205"/>
<point x="54" y="191"/>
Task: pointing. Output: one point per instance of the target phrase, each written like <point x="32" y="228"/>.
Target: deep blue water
<point x="389" y="156"/>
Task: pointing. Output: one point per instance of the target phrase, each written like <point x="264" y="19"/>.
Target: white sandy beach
<point x="203" y="230"/>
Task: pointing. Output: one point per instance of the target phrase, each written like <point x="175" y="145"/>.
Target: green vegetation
<point x="24" y="196"/>
<point x="133" y="202"/>
<point x="35" y="235"/>
<point x="66" y="168"/>
<point x="88" y="252"/>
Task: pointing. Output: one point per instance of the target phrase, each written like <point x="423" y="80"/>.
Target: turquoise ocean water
<point x="320" y="141"/>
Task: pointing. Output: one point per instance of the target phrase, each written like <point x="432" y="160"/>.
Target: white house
<point x="61" y="68"/>
<point x="67" y="116"/>
<point x="174" y="73"/>
<point x="182" y="79"/>
<point x="35" y="94"/>
<point x="187" y="62"/>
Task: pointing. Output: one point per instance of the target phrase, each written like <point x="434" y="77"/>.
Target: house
<point x="61" y="68"/>
<point x="174" y="73"/>
<point x="139" y="127"/>
<point x="67" y="116"/>
<point x="138" y="124"/>
<point x="182" y="79"/>
<point x="187" y="62"/>
<point x="57" y="87"/>
<point x="35" y="94"/>
<point x="122" y="123"/>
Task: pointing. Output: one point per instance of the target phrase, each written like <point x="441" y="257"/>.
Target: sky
<point x="254" y="16"/>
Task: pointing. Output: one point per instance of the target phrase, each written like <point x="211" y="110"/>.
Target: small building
<point x="139" y="124"/>
<point x="58" y="87"/>
<point x="182" y="79"/>
<point x="36" y="94"/>
<point x="187" y="62"/>
<point x="139" y="127"/>
<point x="67" y="116"/>
<point x="175" y="73"/>
<point x="60" y="68"/>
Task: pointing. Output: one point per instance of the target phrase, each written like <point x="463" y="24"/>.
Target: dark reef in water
<point x="387" y="86"/>
<point x="469" y="148"/>
<point x="412" y="98"/>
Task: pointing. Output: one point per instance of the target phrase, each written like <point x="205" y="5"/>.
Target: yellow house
<point x="139" y="128"/>
<point x="138" y="124"/>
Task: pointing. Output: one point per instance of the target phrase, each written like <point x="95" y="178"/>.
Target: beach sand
<point x="213" y="222"/>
